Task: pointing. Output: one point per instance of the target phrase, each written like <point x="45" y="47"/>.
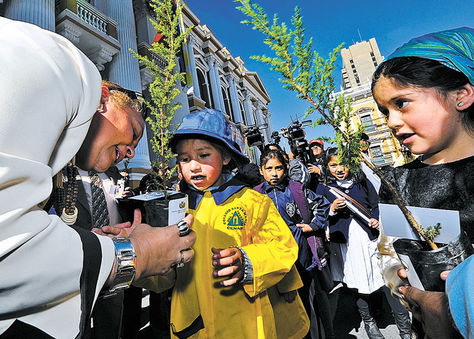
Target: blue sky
<point x="330" y="23"/>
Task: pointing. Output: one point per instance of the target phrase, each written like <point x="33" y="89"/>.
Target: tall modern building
<point x="106" y="30"/>
<point x="359" y="62"/>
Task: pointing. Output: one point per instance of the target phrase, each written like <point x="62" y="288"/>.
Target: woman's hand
<point x="159" y="249"/>
<point x="338" y="204"/>
<point x="228" y="263"/>
<point x="402" y="273"/>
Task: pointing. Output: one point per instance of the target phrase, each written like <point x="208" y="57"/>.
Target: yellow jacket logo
<point x="235" y="218"/>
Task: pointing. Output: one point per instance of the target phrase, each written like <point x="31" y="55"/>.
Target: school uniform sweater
<point x="339" y="222"/>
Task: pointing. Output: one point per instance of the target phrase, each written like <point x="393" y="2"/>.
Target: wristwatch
<point x="125" y="265"/>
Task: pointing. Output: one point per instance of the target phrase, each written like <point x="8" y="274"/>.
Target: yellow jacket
<point x="201" y="308"/>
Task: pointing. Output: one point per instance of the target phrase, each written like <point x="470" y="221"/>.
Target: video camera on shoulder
<point x="254" y="137"/>
<point x="297" y="141"/>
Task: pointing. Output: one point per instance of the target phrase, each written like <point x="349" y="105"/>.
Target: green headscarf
<point x="453" y="48"/>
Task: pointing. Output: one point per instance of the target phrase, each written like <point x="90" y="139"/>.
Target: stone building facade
<point x="105" y="30"/>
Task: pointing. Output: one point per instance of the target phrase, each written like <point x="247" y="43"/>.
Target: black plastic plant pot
<point x="156" y="210"/>
<point x="428" y="264"/>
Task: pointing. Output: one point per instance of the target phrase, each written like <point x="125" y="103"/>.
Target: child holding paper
<point x="353" y="225"/>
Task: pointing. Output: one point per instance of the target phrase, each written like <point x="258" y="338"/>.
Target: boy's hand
<point x="304" y="227"/>
<point x="227" y="263"/>
<point x="127" y="192"/>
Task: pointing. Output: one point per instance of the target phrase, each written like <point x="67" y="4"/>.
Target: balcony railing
<point x="144" y="49"/>
<point x="89" y="15"/>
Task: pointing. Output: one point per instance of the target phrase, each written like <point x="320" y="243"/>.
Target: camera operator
<point x="305" y="153"/>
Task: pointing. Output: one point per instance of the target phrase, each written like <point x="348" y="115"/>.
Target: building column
<point x="249" y="110"/>
<point x="192" y="63"/>
<point x="234" y="99"/>
<point x="38" y="12"/>
<point x="258" y="113"/>
<point x="260" y="119"/>
<point x="268" y="130"/>
<point x="124" y="69"/>
<point x="215" y="88"/>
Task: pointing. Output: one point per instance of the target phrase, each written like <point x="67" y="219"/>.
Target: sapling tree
<point x="303" y="71"/>
<point x="163" y="91"/>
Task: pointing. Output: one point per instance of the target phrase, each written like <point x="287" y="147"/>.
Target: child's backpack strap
<point x="297" y="190"/>
<point x="316" y="243"/>
<point x="259" y="188"/>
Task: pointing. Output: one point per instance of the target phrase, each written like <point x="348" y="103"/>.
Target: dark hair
<point x="267" y="147"/>
<point x="249" y="174"/>
<point x="426" y="73"/>
<point x="274" y="154"/>
<point x="328" y="154"/>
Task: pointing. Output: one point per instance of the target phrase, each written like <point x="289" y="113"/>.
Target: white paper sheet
<point x="394" y="223"/>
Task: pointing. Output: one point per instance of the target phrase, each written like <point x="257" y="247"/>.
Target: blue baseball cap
<point x="209" y="123"/>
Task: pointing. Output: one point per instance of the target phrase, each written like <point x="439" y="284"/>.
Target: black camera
<point x="254" y="137"/>
<point x="297" y="141"/>
<point x="276" y="137"/>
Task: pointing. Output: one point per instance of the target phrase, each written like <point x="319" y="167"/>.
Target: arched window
<point x="209" y="88"/>
<point x="227" y="103"/>
<point x="244" y="117"/>
<point x="203" y="88"/>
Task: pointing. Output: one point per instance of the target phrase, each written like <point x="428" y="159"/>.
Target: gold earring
<point x="460" y="103"/>
<point x="101" y="109"/>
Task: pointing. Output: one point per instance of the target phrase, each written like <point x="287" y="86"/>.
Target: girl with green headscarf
<point x="425" y="89"/>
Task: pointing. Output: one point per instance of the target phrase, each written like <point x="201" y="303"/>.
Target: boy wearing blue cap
<point x="243" y="247"/>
